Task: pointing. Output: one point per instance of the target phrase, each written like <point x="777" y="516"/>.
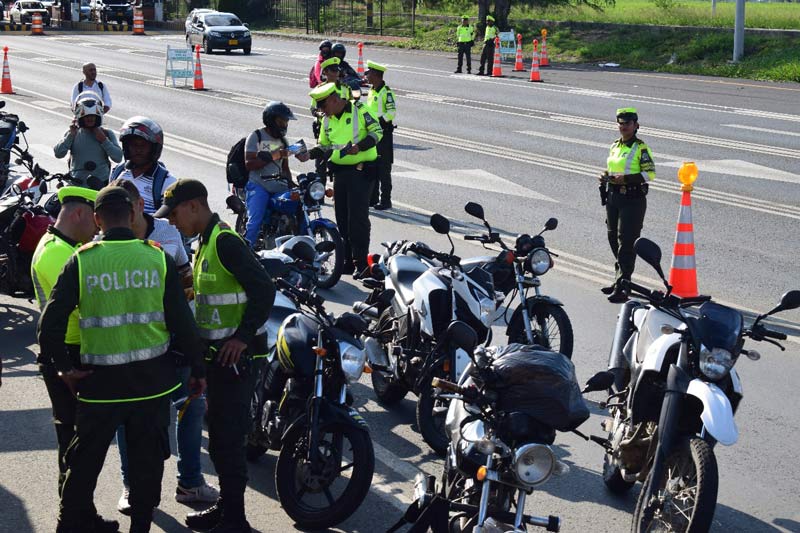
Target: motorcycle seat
<point x="403" y="271"/>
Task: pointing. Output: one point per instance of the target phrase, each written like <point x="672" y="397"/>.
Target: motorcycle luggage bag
<point x="541" y="384"/>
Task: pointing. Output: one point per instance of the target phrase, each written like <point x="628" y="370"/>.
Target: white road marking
<point x="770" y="131"/>
<point x="478" y="179"/>
<point x="50" y="104"/>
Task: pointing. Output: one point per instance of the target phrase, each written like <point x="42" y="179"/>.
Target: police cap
<point x="371" y="65"/>
<point x="77" y="194"/>
<point x="111" y="195"/>
<point x="181" y="191"/>
<point x="464" y="17"/>
<point x="489" y="18"/>
<point x="322" y="92"/>
<point x="332" y="62"/>
<point x="627" y="113"/>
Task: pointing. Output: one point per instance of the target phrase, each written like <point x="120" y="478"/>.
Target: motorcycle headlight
<point x="715" y="363"/>
<point x="316" y="191"/>
<point x="353" y="359"/>
<point x="539" y="261"/>
<point x="533" y="464"/>
<point x="487" y="307"/>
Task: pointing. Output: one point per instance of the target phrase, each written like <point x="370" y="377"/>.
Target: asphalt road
<point x="526" y="152"/>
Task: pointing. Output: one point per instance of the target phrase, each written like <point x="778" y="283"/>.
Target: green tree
<point x="503" y="7"/>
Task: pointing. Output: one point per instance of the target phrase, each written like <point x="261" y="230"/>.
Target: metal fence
<point x="371" y="17"/>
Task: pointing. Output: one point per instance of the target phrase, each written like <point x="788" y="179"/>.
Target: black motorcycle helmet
<point x="338" y="50"/>
<point x="325" y="49"/>
<point x="273" y="111"/>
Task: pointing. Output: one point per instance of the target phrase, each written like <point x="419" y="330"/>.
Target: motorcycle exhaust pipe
<point x="617" y="362"/>
<point x="365" y="309"/>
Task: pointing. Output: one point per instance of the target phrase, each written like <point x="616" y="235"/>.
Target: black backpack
<point x="235" y="170"/>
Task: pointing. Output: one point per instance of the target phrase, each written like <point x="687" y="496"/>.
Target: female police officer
<point x="623" y="192"/>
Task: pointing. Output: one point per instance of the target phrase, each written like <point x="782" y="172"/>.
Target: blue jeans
<point x="188" y="435"/>
<point x="257" y="201"/>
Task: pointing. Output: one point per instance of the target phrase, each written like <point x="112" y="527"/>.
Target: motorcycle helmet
<point x="326" y="44"/>
<point x="88" y="104"/>
<point x="273" y="111"/>
<point x="337" y="49"/>
<point x="146" y="128"/>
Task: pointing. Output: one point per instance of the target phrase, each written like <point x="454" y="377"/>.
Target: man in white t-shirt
<point x="142" y="141"/>
<point x="90" y="83"/>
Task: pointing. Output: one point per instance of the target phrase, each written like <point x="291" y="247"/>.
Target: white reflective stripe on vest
<point x="380" y="105"/>
<point x="41" y="297"/>
<point x="122" y="320"/>
<point x="223" y="333"/>
<point x="230" y="298"/>
<point x="629" y="160"/>
<point x="124" y="357"/>
<point x="355" y="128"/>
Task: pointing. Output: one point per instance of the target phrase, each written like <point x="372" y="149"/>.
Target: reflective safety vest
<point x="51" y="254"/>
<point x="220" y="300"/>
<point x="381" y="103"/>
<point x="121" y="304"/>
<point x="465" y="33"/>
<point x="353" y="126"/>
<point x="634" y="159"/>
<point x="490" y="33"/>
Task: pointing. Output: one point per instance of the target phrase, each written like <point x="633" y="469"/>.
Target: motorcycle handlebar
<point x="775" y="334"/>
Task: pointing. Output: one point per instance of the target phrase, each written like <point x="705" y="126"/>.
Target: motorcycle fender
<point x="330" y="413"/>
<point x="531" y="303"/>
<point x="717" y="415"/>
<point x="323" y="222"/>
<point x="656" y="352"/>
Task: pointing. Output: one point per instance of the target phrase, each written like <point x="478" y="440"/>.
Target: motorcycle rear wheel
<point x="294" y="482"/>
<point x="388" y="390"/>
<point x="550" y="326"/>
<point x="688" y="487"/>
<point x="332" y="269"/>
<point x="431" y="415"/>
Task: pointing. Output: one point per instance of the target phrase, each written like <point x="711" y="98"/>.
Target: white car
<point x="22" y="12"/>
<point x="192" y="16"/>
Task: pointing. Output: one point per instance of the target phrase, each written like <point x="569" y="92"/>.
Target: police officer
<point x="465" y="35"/>
<point x="128" y="298"/>
<point x="233" y="298"/>
<point x="623" y="191"/>
<point x="350" y="133"/>
<point x="487" y="55"/>
<point x="74" y="225"/>
<point x="381" y="102"/>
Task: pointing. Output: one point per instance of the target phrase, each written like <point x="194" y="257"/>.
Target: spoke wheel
<point x="331" y="269"/>
<point x="550" y="326"/>
<point x="685" y="497"/>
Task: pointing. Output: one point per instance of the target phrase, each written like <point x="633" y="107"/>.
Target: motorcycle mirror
<point x="650" y="253"/>
<point x="22" y="127"/>
<point x="551" y="224"/>
<point x="43" y="187"/>
<point x="386" y="297"/>
<point x="235" y="204"/>
<point x="474" y="209"/>
<point x="90" y="165"/>
<point x="440" y="224"/>
<point x="94" y="183"/>
<point x="789" y="300"/>
<point x="600" y="381"/>
<point x="461" y="335"/>
<point x="325" y="246"/>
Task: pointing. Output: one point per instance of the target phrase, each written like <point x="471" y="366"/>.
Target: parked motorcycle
<point x="10" y="127"/>
<point x="503" y="416"/>
<point x="301" y="407"/>
<point x="297" y="212"/>
<point x="674" y="397"/>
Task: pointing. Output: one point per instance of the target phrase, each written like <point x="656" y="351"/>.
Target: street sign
<point x="179" y="65"/>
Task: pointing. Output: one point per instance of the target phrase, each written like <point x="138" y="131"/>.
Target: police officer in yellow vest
<point x="465" y="37"/>
<point x="349" y="136"/>
<point x="233" y="298"/>
<point x="487" y="55"/>
<point x="74" y="225"/>
<point x="623" y="191"/>
<point x="129" y="298"/>
<point x="381" y="102"/>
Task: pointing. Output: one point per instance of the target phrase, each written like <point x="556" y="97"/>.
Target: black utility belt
<point x="357" y="167"/>
<point x="639" y="189"/>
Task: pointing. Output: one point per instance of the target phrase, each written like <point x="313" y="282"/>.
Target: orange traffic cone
<point x="497" y="72"/>
<point x="545" y="62"/>
<point x="138" y="21"/>
<point x="36" y="24"/>
<point x="535" y="62"/>
<point x="5" y="88"/>
<point x="683" y="274"/>
<point x="360" y="67"/>
<point x="518" y="66"/>
<point x="198" y="71"/>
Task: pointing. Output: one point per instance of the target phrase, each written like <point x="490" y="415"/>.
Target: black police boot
<point x="232" y="526"/>
<point x="61" y="528"/>
<point x="348" y="267"/>
<point x="608" y="290"/>
<point x="205" y="520"/>
<point x="619" y="296"/>
<point x="458" y="71"/>
<point x="384" y="205"/>
<point x="101" y="525"/>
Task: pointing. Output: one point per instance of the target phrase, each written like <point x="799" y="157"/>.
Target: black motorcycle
<point x="10" y="126"/>
<point x="301" y="406"/>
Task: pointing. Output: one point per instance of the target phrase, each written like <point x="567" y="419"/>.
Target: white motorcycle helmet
<point x="88" y="104"/>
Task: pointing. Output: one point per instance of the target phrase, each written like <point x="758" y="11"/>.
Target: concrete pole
<point x="738" y="32"/>
<point x="713" y="8"/>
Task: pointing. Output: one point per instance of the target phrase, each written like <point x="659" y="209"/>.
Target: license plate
<point x="120" y="13"/>
<point x="233" y="41"/>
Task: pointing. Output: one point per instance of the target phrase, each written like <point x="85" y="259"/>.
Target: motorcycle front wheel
<point x="431" y="415"/>
<point x="550" y="326"/>
<point x="685" y="497"/>
<point x="331" y="270"/>
<point x="323" y="497"/>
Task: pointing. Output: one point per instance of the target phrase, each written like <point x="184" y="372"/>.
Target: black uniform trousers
<point x="146" y="432"/>
<point x="487" y="57"/>
<point x="382" y="191"/>
<point x="465" y="49"/>
<point x="64" y="407"/>
<point x="624" y="221"/>
<point x="229" y="396"/>
<point x="352" y="190"/>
